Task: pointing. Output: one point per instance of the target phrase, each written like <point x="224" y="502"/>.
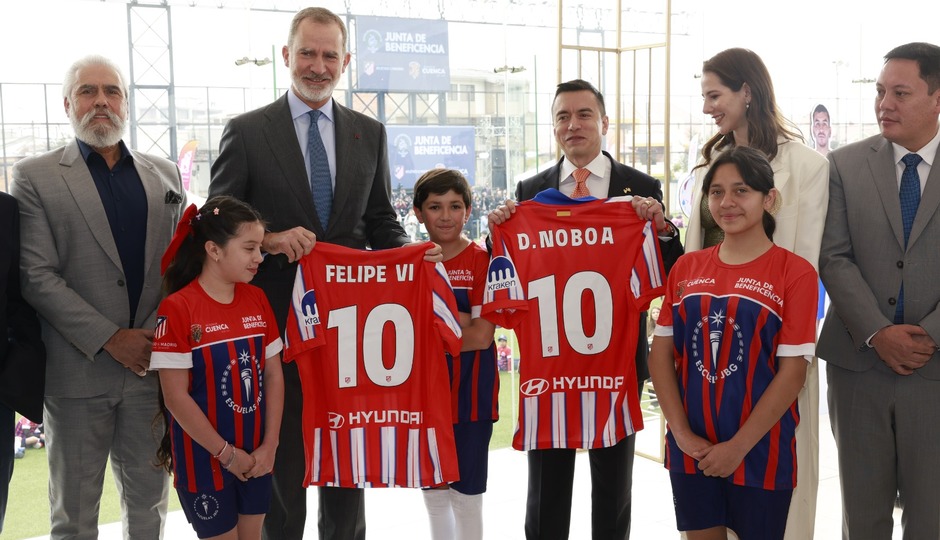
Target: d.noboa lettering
<point x="571" y="237"/>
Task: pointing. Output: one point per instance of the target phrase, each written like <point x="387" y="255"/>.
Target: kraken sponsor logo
<point x="502" y="275"/>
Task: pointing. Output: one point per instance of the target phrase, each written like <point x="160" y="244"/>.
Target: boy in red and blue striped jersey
<point x="442" y="201"/>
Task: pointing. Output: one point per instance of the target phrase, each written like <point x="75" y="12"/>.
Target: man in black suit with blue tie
<point x="316" y="171"/>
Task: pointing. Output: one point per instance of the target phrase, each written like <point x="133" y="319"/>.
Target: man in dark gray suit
<point x="580" y="123"/>
<point x="879" y="261"/>
<point x="95" y="219"/>
<point x="268" y="158"/>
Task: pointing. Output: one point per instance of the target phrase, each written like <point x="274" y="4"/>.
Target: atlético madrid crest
<point x="160" y="329"/>
<point x="196" y="333"/>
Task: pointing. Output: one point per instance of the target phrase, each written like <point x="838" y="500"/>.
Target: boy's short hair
<point x="439" y="182"/>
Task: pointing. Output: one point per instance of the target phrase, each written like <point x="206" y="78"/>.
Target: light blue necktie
<point x="910" y="200"/>
<point x="321" y="185"/>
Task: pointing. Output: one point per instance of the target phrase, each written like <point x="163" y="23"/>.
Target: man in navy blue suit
<point x="580" y="122"/>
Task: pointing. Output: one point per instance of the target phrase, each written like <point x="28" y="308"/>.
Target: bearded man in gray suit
<point x="879" y="261"/>
<point x="269" y="158"/>
<point x="95" y="220"/>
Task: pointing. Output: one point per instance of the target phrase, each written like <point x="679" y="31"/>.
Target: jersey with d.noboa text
<point x="730" y="326"/>
<point x="572" y="277"/>
<point x="368" y="331"/>
<point x="225" y="347"/>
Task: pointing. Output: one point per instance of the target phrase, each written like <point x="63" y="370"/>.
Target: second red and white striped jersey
<point x="368" y="330"/>
<point x="572" y="277"/>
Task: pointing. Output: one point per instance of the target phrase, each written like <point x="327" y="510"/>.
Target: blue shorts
<point x="703" y="502"/>
<point x="212" y="513"/>
<point x="473" y="451"/>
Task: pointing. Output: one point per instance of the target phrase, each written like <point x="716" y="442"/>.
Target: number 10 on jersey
<point x="345" y="320"/>
<point x="545" y="292"/>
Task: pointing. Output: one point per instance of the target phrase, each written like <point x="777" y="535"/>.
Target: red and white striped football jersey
<point x="572" y="279"/>
<point x="368" y="330"/>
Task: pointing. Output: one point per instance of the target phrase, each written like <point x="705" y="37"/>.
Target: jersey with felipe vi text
<point x="473" y="374"/>
<point x="572" y="277"/>
<point x="730" y="324"/>
<point x="225" y="347"/>
<point x="368" y="331"/>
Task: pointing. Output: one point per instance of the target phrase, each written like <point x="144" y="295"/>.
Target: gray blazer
<point x="260" y="162"/>
<point x="863" y="260"/>
<point x="70" y="268"/>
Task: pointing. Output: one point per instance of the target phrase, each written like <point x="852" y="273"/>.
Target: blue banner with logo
<point x="413" y="150"/>
<point x="402" y="55"/>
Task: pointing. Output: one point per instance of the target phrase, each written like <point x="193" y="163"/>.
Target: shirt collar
<point x="599" y="166"/>
<point x="86" y="150"/>
<point x="298" y="108"/>
<point x="927" y="153"/>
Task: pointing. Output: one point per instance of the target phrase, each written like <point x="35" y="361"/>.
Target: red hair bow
<point x="183" y="228"/>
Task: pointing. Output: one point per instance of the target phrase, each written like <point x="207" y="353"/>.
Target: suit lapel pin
<point x="626" y="190"/>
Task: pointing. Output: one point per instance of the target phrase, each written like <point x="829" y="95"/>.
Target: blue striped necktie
<point x="321" y="185"/>
<point x="910" y="200"/>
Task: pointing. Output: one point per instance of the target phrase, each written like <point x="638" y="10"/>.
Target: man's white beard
<point x="311" y="94"/>
<point x="100" y="136"/>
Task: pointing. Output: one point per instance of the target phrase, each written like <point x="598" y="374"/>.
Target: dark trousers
<point x="342" y="514"/>
<point x="7" y="428"/>
<point x="551" y="476"/>
<point x="342" y="510"/>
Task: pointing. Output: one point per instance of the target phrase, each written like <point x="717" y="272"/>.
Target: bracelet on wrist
<point x="222" y="451"/>
<point x="230" y="460"/>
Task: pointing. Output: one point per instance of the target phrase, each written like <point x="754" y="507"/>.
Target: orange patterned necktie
<point x="580" y="189"/>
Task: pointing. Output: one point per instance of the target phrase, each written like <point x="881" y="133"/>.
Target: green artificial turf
<point x="28" y="507"/>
